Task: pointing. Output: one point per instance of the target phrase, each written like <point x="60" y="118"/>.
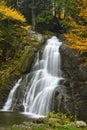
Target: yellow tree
<point x="79" y="27"/>
<point x="8" y="12"/>
<point x="77" y="37"/>
<point x="12" y="26"/>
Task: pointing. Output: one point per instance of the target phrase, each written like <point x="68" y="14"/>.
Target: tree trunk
<point x="17" y="5"/>
<point x="54" y="8"/>
<point x="33" y="16"/>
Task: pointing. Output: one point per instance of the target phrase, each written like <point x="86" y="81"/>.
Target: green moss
<point x="27" y="60"/>
<point x="8" y="70"/>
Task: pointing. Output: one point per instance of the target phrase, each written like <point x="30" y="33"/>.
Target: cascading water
<point x="9" y="103"/>
<point x="46" y="75"/>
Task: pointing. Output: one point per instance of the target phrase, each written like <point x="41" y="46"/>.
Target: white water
<point x="8" y="105"/>
<point x="46" y="74"/>
<point x="46" y="77"/>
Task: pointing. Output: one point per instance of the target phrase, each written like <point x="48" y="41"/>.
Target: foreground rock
<point x="80" y="124"/>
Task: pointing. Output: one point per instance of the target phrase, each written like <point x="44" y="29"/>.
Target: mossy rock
<point x="27" y="59"/>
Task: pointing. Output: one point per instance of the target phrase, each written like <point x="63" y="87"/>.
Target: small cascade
<point x="46" y="77"/>
<point x="9" y="103"/>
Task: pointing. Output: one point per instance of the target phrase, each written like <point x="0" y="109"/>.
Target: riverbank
<point x="52" y="122"/>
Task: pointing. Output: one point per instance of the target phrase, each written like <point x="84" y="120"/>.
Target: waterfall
<point x="46" y="77"/>
<point x="9" y="103"/>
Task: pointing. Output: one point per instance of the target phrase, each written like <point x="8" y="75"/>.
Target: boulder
<point x="80" y="124"/>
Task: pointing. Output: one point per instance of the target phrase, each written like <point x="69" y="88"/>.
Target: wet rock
<point x="58" y="99"/>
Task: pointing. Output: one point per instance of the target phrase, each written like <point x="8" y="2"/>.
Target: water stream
<point x="46" y="76"/>
<point x="9" y="103"/>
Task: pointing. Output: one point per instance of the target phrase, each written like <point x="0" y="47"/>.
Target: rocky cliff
<point x="75" y="82"/>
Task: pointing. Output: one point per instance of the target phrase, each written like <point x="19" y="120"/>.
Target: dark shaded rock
<point x="58" y="99"/>
<point x="82" y="73"/>
<point x="75" y="75"/>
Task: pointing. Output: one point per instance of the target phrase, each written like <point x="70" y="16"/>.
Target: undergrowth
<point x="51" y="122"/>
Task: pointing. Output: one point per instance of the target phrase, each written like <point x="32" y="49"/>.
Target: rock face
<point x="75" y="75"/>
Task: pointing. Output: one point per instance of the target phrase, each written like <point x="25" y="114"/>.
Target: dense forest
<point x="66" y="19"/>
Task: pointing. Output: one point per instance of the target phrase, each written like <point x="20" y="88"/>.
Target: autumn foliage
<point x="8" y="12"/>
<point x="12" y="31"/>
<point x="76" y="38"/>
